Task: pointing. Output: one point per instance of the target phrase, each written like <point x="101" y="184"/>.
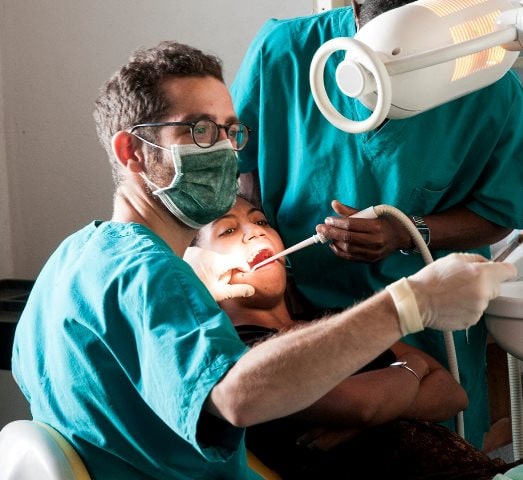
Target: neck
<point x="247" y="312"/>
<point x="133" y="204"/>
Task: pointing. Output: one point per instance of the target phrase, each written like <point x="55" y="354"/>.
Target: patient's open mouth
<point x="259" y="257"/>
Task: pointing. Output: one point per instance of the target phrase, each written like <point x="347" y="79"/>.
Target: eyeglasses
<point x="205" y="133"/>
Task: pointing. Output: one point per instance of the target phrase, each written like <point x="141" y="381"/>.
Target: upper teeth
<point x="253" y="256"/>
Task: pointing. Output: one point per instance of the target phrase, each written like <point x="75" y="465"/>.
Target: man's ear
<point x="128" y="150"/>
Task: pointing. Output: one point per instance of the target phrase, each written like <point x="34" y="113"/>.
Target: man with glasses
<point x="123" y="349"/>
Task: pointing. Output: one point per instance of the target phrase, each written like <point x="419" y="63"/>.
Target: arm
<point x="370" y="398"/>
<point x="304" y="364"/>
<point x="440" y="396"/>
<point x="370" y="240"/>
<point x="378" y="396"/>
<point x="292" y="371"/>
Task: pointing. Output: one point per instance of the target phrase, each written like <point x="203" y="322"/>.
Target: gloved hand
<point x="215" y="271"/>
<point x="452" y="292"/>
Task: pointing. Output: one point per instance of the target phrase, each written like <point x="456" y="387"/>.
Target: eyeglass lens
<point x="206" y="133"/>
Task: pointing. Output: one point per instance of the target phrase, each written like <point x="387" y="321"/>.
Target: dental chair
<point x="32" y="450"/>
<point x="260" y="468"/>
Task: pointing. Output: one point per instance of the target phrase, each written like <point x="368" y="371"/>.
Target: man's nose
<point x="222" y="133"/>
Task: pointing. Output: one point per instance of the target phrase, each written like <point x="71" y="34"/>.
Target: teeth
<point x="253" y="256"/>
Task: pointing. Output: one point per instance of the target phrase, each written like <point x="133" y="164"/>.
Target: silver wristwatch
<point x="424" y="231"/>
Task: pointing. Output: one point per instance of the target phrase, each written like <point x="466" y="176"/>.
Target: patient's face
<point x="244" y="230"/>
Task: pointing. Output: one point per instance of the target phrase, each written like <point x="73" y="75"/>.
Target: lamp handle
<point x="359" y="55"/>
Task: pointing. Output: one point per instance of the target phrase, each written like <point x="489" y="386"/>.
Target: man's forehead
<point x="196" y="98"/>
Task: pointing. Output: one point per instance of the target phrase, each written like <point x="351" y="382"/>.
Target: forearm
<point x="290" y="372"/>
<point x="438" y="398"/>
<point x="365" y="399"/>
<point x="461" y="229"/>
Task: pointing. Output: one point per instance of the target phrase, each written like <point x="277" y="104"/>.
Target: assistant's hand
<point x="215" y="271"/>
<point x="453" y="291"/>
<point x="362" y="239"/>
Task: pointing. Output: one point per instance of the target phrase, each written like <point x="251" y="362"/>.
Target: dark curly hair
<point x="372" y="8"/>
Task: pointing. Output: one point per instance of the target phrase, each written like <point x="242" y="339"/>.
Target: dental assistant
<point x="457" y="169"/>
<point x="121" y="347"/>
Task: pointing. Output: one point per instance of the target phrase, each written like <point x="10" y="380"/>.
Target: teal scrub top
<point x="118" y="348"/>
<point x="468" y="152"/>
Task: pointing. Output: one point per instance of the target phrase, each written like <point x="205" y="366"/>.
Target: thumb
<point x="236" y="290"/>
<point x="342" y="209"/>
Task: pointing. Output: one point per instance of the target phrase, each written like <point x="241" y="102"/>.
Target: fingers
<point x="342" y="209"/>
<point x="231" y="262"/>
<point x="238" y="290"/>
<point x="359" y="240"/>
<point x="507" y="271"/>
<point x="468" y="257"/>
<point x="497" y="273"/>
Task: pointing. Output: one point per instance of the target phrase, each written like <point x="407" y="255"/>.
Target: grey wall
<point x="54" y="55"/>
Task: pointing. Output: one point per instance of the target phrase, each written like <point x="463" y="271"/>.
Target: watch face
<point x="422" y="228"/>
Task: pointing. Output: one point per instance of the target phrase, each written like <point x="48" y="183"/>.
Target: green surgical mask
<point x="204" y="186"/>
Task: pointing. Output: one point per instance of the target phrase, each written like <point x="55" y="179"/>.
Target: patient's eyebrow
<point x="223" y="217"/>
<point x="254" y="209"/>
<point x="232" y="215"/>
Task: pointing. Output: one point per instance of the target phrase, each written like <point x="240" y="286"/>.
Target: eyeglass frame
<point x="191" y="125"/>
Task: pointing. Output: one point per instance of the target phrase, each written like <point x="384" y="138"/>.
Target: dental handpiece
<point x="317" y="238"/>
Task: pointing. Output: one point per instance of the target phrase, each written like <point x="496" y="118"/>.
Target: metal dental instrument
<point x="318" y="238"/>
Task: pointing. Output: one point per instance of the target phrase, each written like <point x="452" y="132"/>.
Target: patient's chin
<point x="266" y="281"/>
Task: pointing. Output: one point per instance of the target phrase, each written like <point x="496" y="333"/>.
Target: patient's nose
<point x="252" y="232"/>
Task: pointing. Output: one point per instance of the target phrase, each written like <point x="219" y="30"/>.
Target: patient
<point x="380" y="421"/>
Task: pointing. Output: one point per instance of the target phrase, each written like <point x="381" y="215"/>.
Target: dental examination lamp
<point x="418" y="56"/>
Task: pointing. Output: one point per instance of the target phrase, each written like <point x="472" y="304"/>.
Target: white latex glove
<point x="453" y="292"/>
<point x="215" y="271"/>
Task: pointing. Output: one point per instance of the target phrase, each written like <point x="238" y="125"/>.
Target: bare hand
<point x="361" y="239"/>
